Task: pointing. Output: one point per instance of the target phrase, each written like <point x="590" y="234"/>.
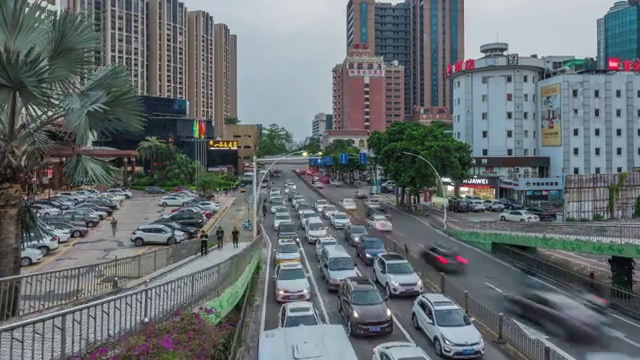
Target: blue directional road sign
<point x="327" y="161"/>
<point x="362" y="159"/>
<point x="344" y="158"/>
<point x="315" y="161"/>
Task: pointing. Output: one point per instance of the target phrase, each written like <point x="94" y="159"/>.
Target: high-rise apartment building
<point x="167" y="48"/>
<point x="437" y="39"/>
<point x="225" y="68"/>
<point x="394" y="93"/>
<point x="619" y="33"/>
<point x="361" y="23"/>
<point x="319" y="124"/>
<point x="122" y="31"/>
<point x="392" y="35"/>
<point x="200" y="64"/>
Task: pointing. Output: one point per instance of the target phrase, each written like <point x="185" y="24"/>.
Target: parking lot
<point x="99" y="244"/>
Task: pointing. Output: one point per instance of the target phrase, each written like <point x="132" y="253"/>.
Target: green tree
<point x="314" y="146"/>
<point x="338" y="147"/>
<point x="177" y="170"/>
<point x="208" y="183"/>
<point x="51" y="95"/>
<point x="274" y="141"/>
<point x="152" y="149"/>
<point x="231" y="120"/>
<point x="449" y="156"/>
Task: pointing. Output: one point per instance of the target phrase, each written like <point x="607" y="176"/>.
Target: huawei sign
<point x="613" y="64"/>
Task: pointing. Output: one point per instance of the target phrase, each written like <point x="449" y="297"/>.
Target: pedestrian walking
<point x="235" y="235"/>
<point x="204" y="243"/>
<point x="114" y="225"/>
<point x="264" y="208"/>
<point x="220" y="237"/>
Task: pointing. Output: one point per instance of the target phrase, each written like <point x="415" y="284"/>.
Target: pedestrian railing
<point x="77" y="330"/>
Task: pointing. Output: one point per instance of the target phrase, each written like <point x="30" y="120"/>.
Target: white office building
<point x="319" y="125"/>
<point x="594" y="120"/>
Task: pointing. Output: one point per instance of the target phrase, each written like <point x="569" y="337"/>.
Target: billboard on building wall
<point x="550" y="121"/>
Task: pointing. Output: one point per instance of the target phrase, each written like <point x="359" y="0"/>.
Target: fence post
<point x="63" y="336"/>
<point x="155" y="261"/>
<point x="140" y="265"/>
<point x="500" y="339"/>
<point x="442" y="282"/>
<point x="466" y="302"/>
<point x="547" y="353"/>
<point x="193" y="288"/>
<point x="147" y="302"/>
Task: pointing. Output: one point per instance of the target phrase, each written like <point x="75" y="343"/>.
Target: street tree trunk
<point x="10" y="237"/>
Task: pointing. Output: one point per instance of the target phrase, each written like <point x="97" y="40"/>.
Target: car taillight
<point x="442" y="260"/>
<point x="54" y="239"/>
<point x="461" y="259"/>
<point x="133" y="233"/>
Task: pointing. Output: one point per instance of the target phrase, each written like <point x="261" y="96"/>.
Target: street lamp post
<point x="256" y="185"/>
<point x="444" y="194"/>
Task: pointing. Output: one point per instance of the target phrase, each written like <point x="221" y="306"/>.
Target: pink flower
<point x="166" y="342"/>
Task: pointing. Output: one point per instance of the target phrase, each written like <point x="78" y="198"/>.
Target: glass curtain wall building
<point x="619" y="33"/>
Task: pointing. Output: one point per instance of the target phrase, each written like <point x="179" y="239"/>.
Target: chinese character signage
<point x="551" y="126"/>
<point x="376" y="73"/>
<point x="222" y="145"/>
<point x="615" y="64"/>
<point x="199" y="129"/>
<point x="459" y="66"/>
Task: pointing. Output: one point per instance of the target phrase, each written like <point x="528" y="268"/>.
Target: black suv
<point x="459" y="206"/>
<point x="363" y="308"/>
<point x="544" y="215"/>
<point x="194" y="219"/>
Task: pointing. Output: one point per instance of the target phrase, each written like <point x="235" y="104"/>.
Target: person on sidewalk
<point x="114" y="225"/>
<point x="204" y="243"/>
<point x="220" y="237"/>
<point x="235" y="235"/>
<point x="264" y="208"/>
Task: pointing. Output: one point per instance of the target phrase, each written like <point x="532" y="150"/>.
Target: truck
<point x="317" y="342"/>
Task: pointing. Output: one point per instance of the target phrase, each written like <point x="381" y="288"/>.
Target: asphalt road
<point x="326" y="303"/>
<point x="489" y="278"/>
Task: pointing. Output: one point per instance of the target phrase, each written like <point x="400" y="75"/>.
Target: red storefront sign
<point x="615" y="64"/>
<point x="460" y="65"/>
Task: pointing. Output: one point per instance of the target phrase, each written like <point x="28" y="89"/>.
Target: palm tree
<point x="51" y="95"/>
<point x="152" y="149"/>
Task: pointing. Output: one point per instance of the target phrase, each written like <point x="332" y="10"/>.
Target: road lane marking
<point x="626" y="320"/>
<point x="263" y="317"/>
<point x="316" y="289"/>
<point x="494" y="287"/>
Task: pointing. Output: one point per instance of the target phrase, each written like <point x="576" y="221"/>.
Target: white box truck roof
<point x="318" y="342"/>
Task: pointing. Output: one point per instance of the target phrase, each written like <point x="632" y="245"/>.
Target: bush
<point x="185" y="336"/>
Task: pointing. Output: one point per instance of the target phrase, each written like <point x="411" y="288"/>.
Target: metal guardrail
<point x="77" y="330"/>
<point x="508" y="331"/>
<point x="49" y="289"/>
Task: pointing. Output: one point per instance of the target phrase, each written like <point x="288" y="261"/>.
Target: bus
<point x="317" y="342"/>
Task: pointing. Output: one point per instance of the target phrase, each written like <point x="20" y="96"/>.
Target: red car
<point x="179" y="188"/>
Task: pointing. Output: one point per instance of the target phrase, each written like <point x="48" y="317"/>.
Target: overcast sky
<point x="287" y="48"/>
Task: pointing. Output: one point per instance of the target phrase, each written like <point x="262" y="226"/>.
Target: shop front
<point x="484" y="187"/>
<point x="534" y="191"/>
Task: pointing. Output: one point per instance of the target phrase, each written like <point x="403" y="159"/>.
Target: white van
<point x="320" y="342"/>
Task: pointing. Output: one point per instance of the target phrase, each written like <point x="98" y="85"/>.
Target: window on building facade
<point x="509" y="79"/>
<point x="618" y="93"/>
<point x="597" y="113"/>
<point x="526" y="133"/>
<point x="619" y="151"/>
<point x="618" y="112"/>
<point x="485" y="79"/>
<point x="576" y="151"/>
<point x="597" y="151"/>
<point x="619" y="169"/>
<point x="509" y="115"/>
<point x="638" y="151"/>
<point x="575" y="93"/>
<point x="485" y="134"/>
<point x="575" y="112"/>
<point x="525" y="115"/>
<point x="576" y="132"/>
<point x="484" y="98"/>
<point x="576" y="171"/>
<point x="509" y="152"/>
<point x="597" y="170"/>
<point x="535" y="152"/>
<point x="596" y="93"/>
<point x="618" y="132"/>
<point x="485" y="152"/>
<point x="526" y="97"/>
<point x="596" y="132"/>
<point x="509" y="133"/>
<point x="509" y="97"/>
<point x="526" y="152"/>
<point x="485" y="116"/>
<point x="525" y="78"/>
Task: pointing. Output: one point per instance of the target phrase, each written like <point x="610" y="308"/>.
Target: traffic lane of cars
<point x="401" y="307"/>
<point x="489" y="278"/>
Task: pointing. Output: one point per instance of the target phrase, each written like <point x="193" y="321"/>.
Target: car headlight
<point x="367" y="255"/>
<point x="395" y="283"/>
<point x="446" y="341"/>
<point x="280" y="292"/>
<point x="355" y="314"/>
<point x="388" y="313"/>
<point x="420" y="284"/>
<point x="481" y="341"/>
<point x="306" y="290"/>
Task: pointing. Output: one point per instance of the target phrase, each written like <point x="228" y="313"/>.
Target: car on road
<point x="379" y="222"/>
<point x="304" y="211"/>
<point x="336" y="265"/>
<point x="494" y="205"/>
<point x="154" y="190"/>
<point x="120" y="192"/>
<point x="361" y="194"/>
<point x="291" y="283"/>
<point x="518" y="216"/>
<point x="30" y="256"/>
<point x="279" y="209"/>
<point x="543" y="215"/>
<point x="302" y="204"/>
<point x="363" y="309"/>
<point x="368" y="248"/>
<point x="374" y="203"/>
<point x="447" y="325"/>
<point x="280" y="219"/>
<point x="320" y="204"/>
<point x="511" y="205"/>
<point x="323" y="242"/>
<point x="287" y="252"/>
<point x="156" y="234"/>
<point x="298" y="313"/>
<point x="172" y="200"/>
<point x="288" y="231"/>
<point x="399" y="350"/>
<point x="348" y="204"/>
<point x="328" y="210"/>
<point x="444" y="259"/>
<point x="339" y="220"/>
<point x="314" y="231"/>
<point x="296" y="199"/>
<point x="353" y="233"/>
<point x="394" y="273"/>
<point x="313" y="218"/>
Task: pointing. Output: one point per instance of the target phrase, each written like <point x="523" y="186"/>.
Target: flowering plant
<point x="185" y="336"/>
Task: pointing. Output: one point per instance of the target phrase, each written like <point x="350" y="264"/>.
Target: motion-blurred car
<point x="444" y="259"/>
<point x="353" y="233"/>
<point x="349" y="204"/>
<point x="543" y="215"/>
<point x="287" y="252"/>
<point x="379" y="222"/>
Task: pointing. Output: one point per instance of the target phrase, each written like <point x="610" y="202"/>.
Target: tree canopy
<point x="274" y="141"/>
<point x="314" y="146"/>
<point x="338" y="147"/>
<point x="232" y="120"/>
<point x="450" y="157"/>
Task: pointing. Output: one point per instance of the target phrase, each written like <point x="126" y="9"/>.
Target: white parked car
<point x="446" y="324"/>
<point x="399" y="350"/>
<point x="349" y="204"/>
<point x="314" y="231"/>
<point x="172" y="200"/>
<point x="279" y="209"/>
<point x="117" y="191"/>
<point x="298" y="313"/>
<point x="394" y="273"/>
<point x="494" y="205"/>
<point x="63" y="234"/>
<point x="320" y="204"/>
<point x="280" y="219"/>
<point x="380" y="223"/>
<point x="115" y="197"/>
<point x="156" y="234"/>
<point x="339" y="220"/>
<point x="477" y="205"/>
<point x="519" y="216"/>
<point x="30" y="256"/>
<point x="291" y="283"/>
<point x="46" y="243"/>
<point x="210" y="205"/>
<point x="45" y="210"/>
<point x="323" y="242"/>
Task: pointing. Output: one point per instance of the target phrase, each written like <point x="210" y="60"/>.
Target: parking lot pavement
<point x="100" y="245"/>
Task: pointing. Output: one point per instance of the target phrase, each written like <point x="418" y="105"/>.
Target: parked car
<point x="75" y="231"/>
<point x="106" y="211"/>
<point x="191" y="231"/>
<point x="30" y="256"/>
<point x="46" y="210"/>
<point x="494" y="205"/>
<point x="172" y="200"/>
<point x="89" y="220"/>
<point x="156" y="234"/>
<point x="544" y="215"/>
<point x="459" y="206"/>
<point x="477" y="205"/>
<point x="519" y="216"/>
<point x="185" y="218"/>
<point x="120" y="192"/>
<point x="154" y="190"/>
<point x="511" y="205"/>
<point x="45" y="243"/>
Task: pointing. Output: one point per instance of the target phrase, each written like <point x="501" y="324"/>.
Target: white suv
<point x="396" y="275"/>
<point x="447" y="326"/>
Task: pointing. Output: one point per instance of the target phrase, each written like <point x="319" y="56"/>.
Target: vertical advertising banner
<point x="551" y="123"/>
<point x="364" y="23"/>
